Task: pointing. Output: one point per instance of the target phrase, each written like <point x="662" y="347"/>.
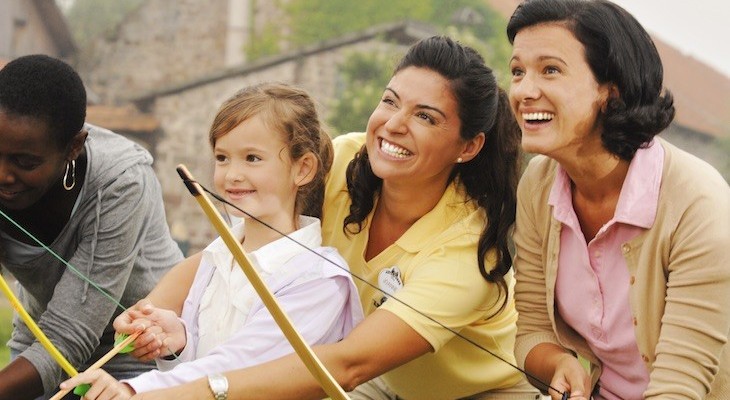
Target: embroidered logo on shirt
<point x="389" y="281"/>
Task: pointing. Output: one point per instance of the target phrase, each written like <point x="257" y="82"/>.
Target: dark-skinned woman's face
<point x="31" y="162"/>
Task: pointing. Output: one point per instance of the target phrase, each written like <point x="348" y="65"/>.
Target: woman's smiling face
<point x="31" y="162"/>
<point x="413" y="136"/>
<point x="554" y="94"/>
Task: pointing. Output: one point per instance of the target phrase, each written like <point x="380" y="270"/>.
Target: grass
<point x="6" y="326"/>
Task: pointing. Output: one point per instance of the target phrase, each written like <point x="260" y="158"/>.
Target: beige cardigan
<point x="680" y="279"/>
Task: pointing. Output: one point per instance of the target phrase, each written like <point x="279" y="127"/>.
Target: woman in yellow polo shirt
<point x="420" y="206"/>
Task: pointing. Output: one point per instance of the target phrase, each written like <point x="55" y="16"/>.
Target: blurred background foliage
<point x="307" y="22"/>
<point x="88" y="19"/>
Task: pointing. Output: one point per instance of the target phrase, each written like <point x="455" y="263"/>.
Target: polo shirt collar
<point x="639" y="198"/>
<point x="452" y="204"/>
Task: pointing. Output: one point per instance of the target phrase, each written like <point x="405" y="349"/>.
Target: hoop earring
<point x="70" y="165"/>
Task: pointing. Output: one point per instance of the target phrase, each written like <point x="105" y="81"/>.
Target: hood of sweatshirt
<point x="110" y="156"/>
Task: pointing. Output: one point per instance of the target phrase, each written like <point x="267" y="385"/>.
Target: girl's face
<point x="31" y="163"/>
<point x="254" y="171"/>
<point x="413" y="136"/>
<point x="553" y="93"/>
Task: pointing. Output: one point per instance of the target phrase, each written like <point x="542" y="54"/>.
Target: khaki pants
<point x="376" y="389"/>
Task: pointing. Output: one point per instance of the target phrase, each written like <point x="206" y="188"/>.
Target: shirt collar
<point x="639" y="197"/>
<point x="273" y="255"/>
<point x="453" y="206"/>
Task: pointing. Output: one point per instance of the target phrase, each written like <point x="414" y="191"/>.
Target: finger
<point x="145" y="306"/>
<point x="140" y="322"/>
<point x="84" y="377"/>
<point x="145" y="357"/>
<point x="142" y="303"/>
<point x="148" y="349"/>
<point x="557" y="388"/>
<point x="128" y="323"/>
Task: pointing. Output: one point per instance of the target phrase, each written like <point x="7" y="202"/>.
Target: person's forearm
<point x="293" y="382"/>
<point x="285" y="378"/>
<point x="20" y="381"/>
<point x="378" y="344"/>
<point x="171" y="291"/>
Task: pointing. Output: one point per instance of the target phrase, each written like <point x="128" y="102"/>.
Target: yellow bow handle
<point x="325" y="379"/>
<point x="37" y="332"/>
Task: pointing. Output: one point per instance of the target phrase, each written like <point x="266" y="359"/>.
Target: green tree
<point x="91" y="18"/>
<point x="265" y="43"/>
<point x="364" y="75"/>
<point x="317" y="20"/>
<point x="6" y="327"/>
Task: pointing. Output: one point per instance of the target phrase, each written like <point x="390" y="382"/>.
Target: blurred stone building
<point x="161" y="75"/>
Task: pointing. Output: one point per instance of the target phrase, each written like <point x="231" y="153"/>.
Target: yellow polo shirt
<point x="432" y="268"/>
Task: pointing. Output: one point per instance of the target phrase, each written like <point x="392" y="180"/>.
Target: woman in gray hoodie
<point x="92" y="197"/>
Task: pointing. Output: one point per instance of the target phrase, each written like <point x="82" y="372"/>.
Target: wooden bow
<point x="37" y="332"/>
<point x="320" y="373"/>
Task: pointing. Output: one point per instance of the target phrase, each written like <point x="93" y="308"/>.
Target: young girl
<point x="270" y="160"/>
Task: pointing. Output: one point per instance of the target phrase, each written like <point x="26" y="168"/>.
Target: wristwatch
<point x="219" y="386"/>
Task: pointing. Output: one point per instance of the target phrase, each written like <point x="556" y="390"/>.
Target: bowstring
<point x="66" y="263"/>
<point x="69" y="266"/>
<point x="356" y="276"/>
<point x="564" y="394"/>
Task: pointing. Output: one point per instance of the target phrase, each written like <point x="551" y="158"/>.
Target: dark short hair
<point x="47" y="89"/>
<point x="619" y="51"/>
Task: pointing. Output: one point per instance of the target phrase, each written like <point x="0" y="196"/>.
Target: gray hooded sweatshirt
<point x="117" y="237"/>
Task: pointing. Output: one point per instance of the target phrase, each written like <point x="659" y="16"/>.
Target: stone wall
<point x="156" y="45"/>
<point x="161" y="44"/>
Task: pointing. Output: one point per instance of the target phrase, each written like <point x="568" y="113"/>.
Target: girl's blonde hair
<point x="290" y="112"/>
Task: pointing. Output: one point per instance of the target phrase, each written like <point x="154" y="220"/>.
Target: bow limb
<point x="310" y="360"/>
<point x="37" y="332"/>
<point x="32" y="325"/>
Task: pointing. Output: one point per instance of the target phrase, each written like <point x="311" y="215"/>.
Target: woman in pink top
<point x="622" y="239"/>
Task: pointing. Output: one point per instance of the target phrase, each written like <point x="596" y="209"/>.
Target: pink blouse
<point x="592" y="288"/>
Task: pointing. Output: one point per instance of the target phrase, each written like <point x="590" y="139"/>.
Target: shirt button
<point x="632" y="280"/>
<point x="625" y="248"/>
<point x="636" y="322"/>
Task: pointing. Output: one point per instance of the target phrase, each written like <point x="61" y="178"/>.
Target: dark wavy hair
<point x="491" y="177"/>
<point x="47" y="89"/>
<point x="618" y="51"/>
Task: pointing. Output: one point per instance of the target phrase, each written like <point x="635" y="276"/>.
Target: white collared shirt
<point x="228" y="326"/>
<point x="229" y="296"/>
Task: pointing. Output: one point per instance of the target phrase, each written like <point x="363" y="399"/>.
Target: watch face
<point x="219" y="386"/>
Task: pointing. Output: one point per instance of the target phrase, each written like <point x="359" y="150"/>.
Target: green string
<point x="83" y="388"/>
<point x="71" y="267"/>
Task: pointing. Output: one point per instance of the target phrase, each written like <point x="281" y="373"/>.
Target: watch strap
<point x="219" y="386"/>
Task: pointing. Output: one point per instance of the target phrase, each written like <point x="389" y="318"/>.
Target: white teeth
<point x="538" y="116"/>
<point x="393" y="150"/>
